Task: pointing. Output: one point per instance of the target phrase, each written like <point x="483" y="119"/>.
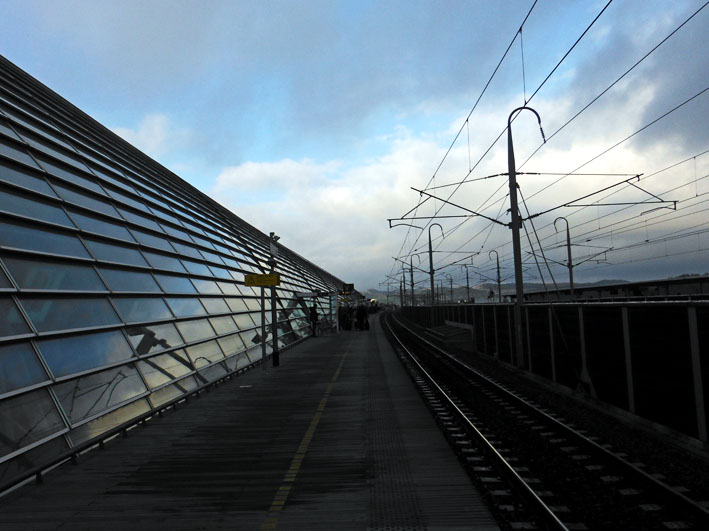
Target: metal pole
<point x="569" y="264"/>
<point x="467" y="285"/>
<point x="499" y="282"/>
<point x="274" y="305"/>
<point x="263" y="327"/>
<point x="403" y="283"/>
<point x="430" y="260"/>
<point x="515" y="225"/>
<point x="411" y="259"/>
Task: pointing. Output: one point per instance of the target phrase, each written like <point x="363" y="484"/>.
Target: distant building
<point x="121" y="286"/>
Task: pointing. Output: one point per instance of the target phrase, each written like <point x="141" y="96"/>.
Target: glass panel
<point x="228" y="288"/>
<point x="16" y="152"/>
<point x="223" y="325"/>
<point x="197" y="239"/>
<point x="95" y="205"/>
<point x="152" y="241"/>
<point x="29" y="459"/>
<point x="69" y="355"/>
<point x="148" y="339"/>
<point x="6" y="130"/>
<point x="4" y="282"/>
<point x="140" y="220"/>
<point x="121" y="280"/>
<point x="27" y="418"/>
<point x="11" y="323"/>
<point x="213" y="372"/>
<point x="36" y="274"/>
<point x="185" y="307"/>
<point x="220" y="272"/>
<point x="22" y="236"/>
<point x="115" y="253"/>
<point x="67" y="175"/>
<point x="215" y="305"/>
<point x="69" y="313"/>
<point x="164" y="368"/>
<point x="25" y="179"/>
<point x="211" y="257"/>
<point x="238" y="275"/>
<point x="230" y="262"/>
<point x="109" y="421"/>
<point x="128" y="200"/>
<point x="161" y="261"/>
<point x="172" y="231"/>
<point x="243" y="321"/>
<point x="205" y="353"/>
<point x="231" y="344"/>
<point x="207" y="287"/>
<point x="104" y="175"/>
<point x="139" y="309"/>
<point x="173" y="284"/>
<point x="195" y="330"/>
<point x="99" y="226"/>
<point x="33" y="208"/>
<point x="186" y="250"/>
<point x="237" y="304"/>
<point x="19" y="367"/>
<point x="164" y="395"/>
<point x="252" y="304"/>
<point x="196" y="268"/>
<point x="89" y="395"/>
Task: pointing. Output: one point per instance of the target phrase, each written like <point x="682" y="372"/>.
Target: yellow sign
<point x="273" y="279"/>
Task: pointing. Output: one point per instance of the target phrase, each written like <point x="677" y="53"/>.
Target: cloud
<point x="156" y="135"/>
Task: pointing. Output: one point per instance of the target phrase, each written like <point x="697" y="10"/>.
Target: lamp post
<point x="569" y="264"/>
<point x="411" y="260"/>
<point x="515" y="225"/>
<point x="274" y="306"/>
<point x="499" y="282"/>
<point x="430" y="259"/>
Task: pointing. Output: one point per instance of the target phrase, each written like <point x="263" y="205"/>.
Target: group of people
<point x="350" y="317"/>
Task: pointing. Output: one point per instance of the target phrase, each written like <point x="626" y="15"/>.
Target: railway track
<point x="536" y="468"/>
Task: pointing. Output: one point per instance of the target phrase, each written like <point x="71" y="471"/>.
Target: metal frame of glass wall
<point x="121" y="286"/>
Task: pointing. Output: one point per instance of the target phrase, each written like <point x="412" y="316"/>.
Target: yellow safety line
<point x="281" y="496"/>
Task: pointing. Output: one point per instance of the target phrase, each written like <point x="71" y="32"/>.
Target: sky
<point x="315" y="119"/>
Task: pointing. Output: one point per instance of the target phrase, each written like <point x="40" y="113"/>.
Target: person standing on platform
<point x="314" y="319"/>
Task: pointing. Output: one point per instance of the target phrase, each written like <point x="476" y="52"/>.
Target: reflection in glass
<point x="59" y="171"/>
<point x="4" y="281"/>
<point x="27" y="418"/>
<point x="211" y="257"/>
<point x="219" y="272"/>
<point x="125" y="199"/>
<point x="99" y="226"/>
<point x="162" y="261"/>
<point x="14" y="151"/>
<point x="223" y="325"/>
<point x="33" y="208"/>
<point x="11" y="322"/>
<point x="152" y="241"/>
<point x="196" y="268"/>
<point x="72" y="354"/>
<point x="148" y="339"/>
<point x="19" y="367"/>
<point x="236" y="304"/>
<point x="96" y="427"/>
<point x="165" y="368"/>
<point x="244" y="321"/>
<point x="185" y="250"/>
<point x="35" y="274"/>
<point x="22" y="236"/>
<point x="139" y="220"/>
<point x="86" y="201"/>
<point x="205" y="353"/>
<point x="89" y="395"/>
<point x="195" y="330"/>
<point x="228" y="288"/>
<point x="175" y="284"/>
<point x="122" y="280"/>
<point x="115" y="253"/>
<point x="215" y="305"/>
<point x="31" y="458"/>
<point x="231" y="344"/>
<point x="185" y="306"/>
<point x="207" y="287"/>
<point x="69" y="313"/>
<point x="213" y="372"/>
<point x="140" y="309"/>
<point x="24" y="179"/>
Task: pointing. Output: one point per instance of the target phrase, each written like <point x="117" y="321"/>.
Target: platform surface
<point x="336" y="438"/>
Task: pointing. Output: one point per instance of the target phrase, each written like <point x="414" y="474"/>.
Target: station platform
<point x="335" y="438"/>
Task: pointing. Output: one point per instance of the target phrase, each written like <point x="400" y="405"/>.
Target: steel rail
<point x="662" y="489"/>
<point x="536" y="504"/>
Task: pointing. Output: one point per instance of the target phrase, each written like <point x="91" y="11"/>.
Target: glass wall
<point x="121" y="286"/>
